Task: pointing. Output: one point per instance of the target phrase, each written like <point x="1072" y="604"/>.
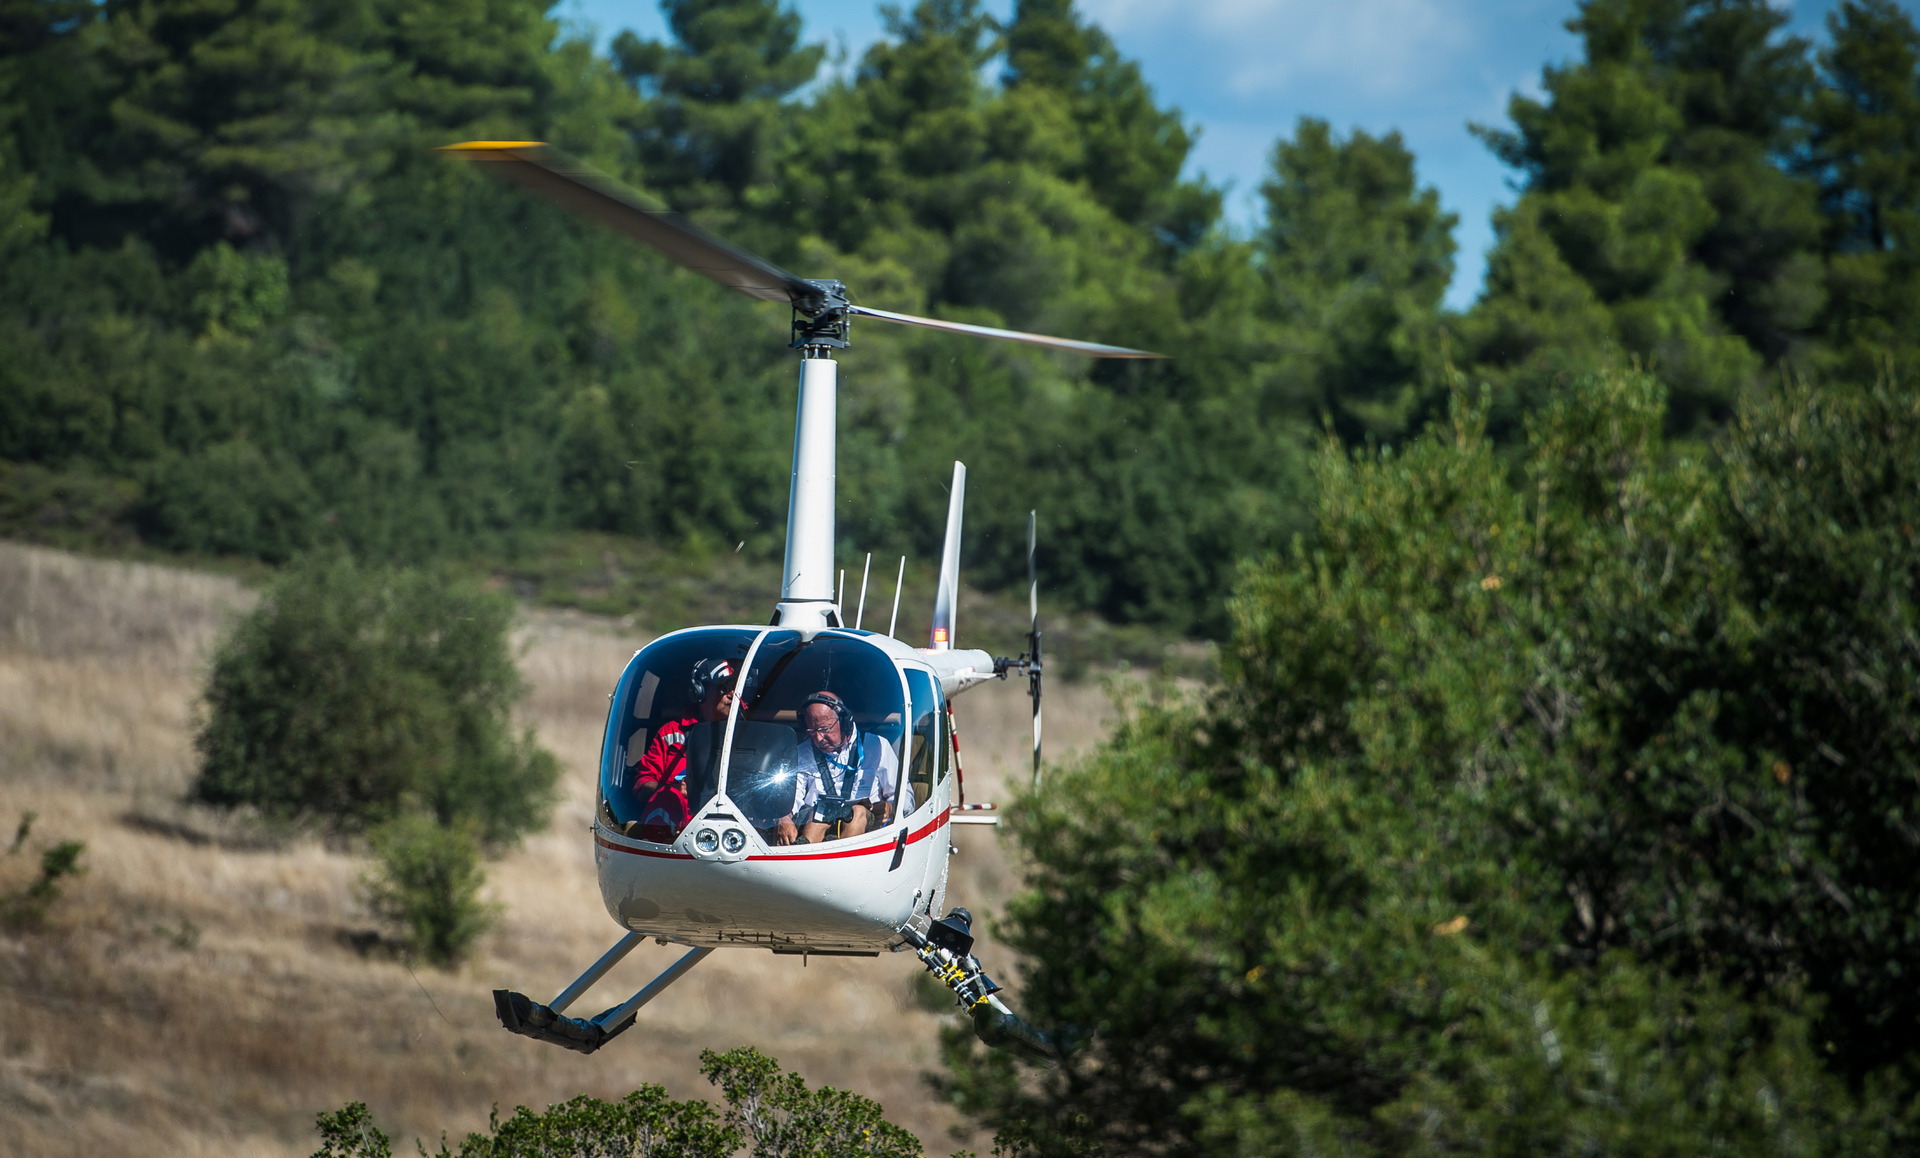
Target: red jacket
<point x="660" y="783"/>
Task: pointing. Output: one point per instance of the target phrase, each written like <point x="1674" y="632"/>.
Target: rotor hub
<point x="821" y="317"/>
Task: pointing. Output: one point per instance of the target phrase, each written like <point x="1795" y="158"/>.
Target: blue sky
<point x="1244" y="71"/>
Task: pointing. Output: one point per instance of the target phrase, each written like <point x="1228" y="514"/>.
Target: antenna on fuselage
<point x="861" y="615"/>
<point x="946" y="597"/>
<point x="894" y="619"/>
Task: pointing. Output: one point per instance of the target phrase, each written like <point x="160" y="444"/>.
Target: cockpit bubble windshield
<point x="816" y="748"/>
<point x="660" y="761"/>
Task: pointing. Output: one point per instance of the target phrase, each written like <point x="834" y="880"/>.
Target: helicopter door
<point x="926" y="767"/>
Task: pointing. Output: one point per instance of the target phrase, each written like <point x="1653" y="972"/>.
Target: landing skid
<point x="549" y="1023"/>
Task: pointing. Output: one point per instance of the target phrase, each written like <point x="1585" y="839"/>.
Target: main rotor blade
<point x="1090" y="349"/>
<point x="569" y="183"/>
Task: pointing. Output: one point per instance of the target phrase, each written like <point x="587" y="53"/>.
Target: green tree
<point x="261" y="318"/>
<point x="1865" y="150"/>
<point x="1358" y="258"/>
<point x="1544" y="811"/>
<point x="1658" y="218"/>
<point x="711" y="124"/>
<point x="1128" y="150"/>
<point x="353" y="694"/>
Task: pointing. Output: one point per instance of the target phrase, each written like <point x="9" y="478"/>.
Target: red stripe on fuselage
<point x="887" y="846"/>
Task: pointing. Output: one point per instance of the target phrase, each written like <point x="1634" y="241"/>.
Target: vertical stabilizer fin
<point x="946" y="599"/>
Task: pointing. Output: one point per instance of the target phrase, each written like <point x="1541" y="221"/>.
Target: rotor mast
<point x="806" y="585"/>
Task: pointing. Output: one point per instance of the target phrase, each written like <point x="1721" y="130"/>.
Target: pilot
<point x="660" y="783"/>
<point x="849" y="775"/>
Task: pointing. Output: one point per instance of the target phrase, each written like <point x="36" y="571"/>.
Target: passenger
<point x="849" y="775"/>
<point x="660" y="783"/>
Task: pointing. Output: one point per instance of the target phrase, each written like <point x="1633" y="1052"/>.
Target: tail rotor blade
<point x="1090" y="349"/>
<point x="1033" y="636"/>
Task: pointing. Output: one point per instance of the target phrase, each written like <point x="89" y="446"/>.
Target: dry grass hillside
<point x="199" y="991"/>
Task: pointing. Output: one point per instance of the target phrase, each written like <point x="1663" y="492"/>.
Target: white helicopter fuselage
<point x="850" y="897"/>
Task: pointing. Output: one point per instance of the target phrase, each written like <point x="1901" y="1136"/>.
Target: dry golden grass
<point x="196" y="994"/>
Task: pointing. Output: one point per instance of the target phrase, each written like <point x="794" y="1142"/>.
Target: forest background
<point x="247" y="311"/>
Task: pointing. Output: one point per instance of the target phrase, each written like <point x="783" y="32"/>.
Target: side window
<point x="926" y="762"/>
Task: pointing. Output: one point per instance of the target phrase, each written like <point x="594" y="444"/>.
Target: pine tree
<point x="1657" y="220"/>
<point x="1130" y="150"/>
<point x="1866" y="153"/>
<point x="713" y="115"/>
<point x="1357" y="259"/>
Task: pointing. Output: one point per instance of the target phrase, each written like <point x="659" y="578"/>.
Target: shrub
<point x="426" y="880"/>
<point x="27" y="908"/>
<point x="768" y="1110"/>
<point x="352" y="694"/>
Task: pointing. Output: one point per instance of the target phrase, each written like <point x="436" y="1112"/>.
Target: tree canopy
<point x="245" y="310"/>
<point x="1576" y="804"/>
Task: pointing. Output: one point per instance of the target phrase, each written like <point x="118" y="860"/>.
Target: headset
<point x="840" y="710"/>
<point x="706" y="674"/>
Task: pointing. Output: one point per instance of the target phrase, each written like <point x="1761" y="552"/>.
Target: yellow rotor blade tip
<point x="490" y="146"/>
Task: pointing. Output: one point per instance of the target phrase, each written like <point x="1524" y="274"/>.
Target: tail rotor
<point x="1033" y="637"/>
<point x="1028" y="661"/>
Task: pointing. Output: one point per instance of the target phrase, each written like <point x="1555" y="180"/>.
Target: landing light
<point x="707" y="840"/>
<point x="734" y="840"/>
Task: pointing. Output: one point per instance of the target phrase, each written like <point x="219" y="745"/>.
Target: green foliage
<point x="26" y="908"/>
<point x="353" y="693"/>
<point x="1553" y="811"/>
<point x="22" y="831"/>
<point x="426" y="880"/>
<point x="715" y="114"/>
<point x="248" y="293"/>
<point x="349" y="1132"/>
<point x="1865" y="152"/>
<point x="244" y="310"/>
<point x="774" y="1113"/>
<point x="1659" y="218"/>
<point x="768" y="1111"/>
<point x="1358" y="258"/>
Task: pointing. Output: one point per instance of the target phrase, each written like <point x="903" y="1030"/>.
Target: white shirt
<point x="879" y="772"/>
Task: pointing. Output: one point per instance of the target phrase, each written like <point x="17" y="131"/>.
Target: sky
<point x="1244" y="71"/>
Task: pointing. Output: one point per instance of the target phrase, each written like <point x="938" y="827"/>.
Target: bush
<point x="1551" y="810"/>
<point x="427" y="880"/>
<point x="27" y="908"/>
<point x="353" y="694"/>
<point x="766" y="1108"/>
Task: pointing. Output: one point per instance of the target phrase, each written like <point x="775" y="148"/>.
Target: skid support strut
<point x="528" y="1018"/>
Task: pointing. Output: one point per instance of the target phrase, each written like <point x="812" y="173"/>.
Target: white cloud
<point x="1263" y="47"/>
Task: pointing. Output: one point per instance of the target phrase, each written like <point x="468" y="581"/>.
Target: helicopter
<point x="785" y="786"/>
